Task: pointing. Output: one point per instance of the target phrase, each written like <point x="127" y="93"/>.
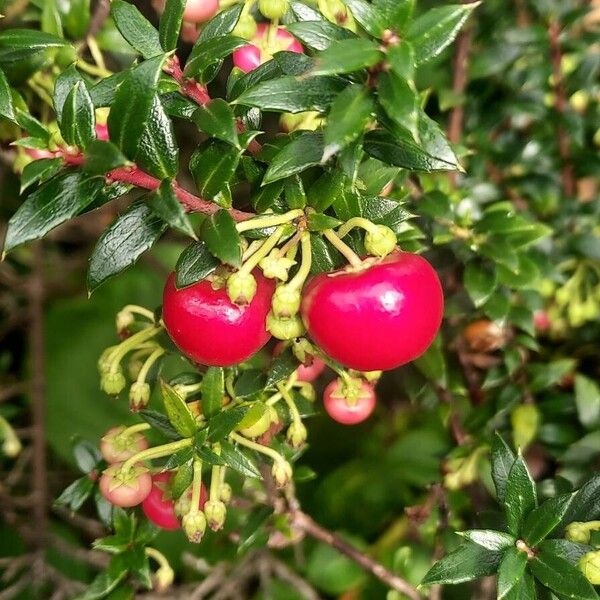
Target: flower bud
<point x="215" y="512"/>
<point x="273" y="9"/>
<point x="580" y="532"/>
<point x="381" y="241"/>
<point x="113" y="383"/>
<point x="286" y="302"/>
<point x="194" y="526"/>
<point x="246" y="27"/>
<point x="589" y="564"/>
<point x="12" y="446"/>
<point x="276" y="267"/>
<point x="282" y="472"/>
<point x="225" y="493"/>
<point x="296" y="434"/>
<point x="139" y="395"/>
<point x="124" y="320"/>
<point x="241" y="287"/>
<point x="307" y="391"/>
<point x="163" y="578"/>
<point x="285" y="329"/>
<point x="183" y="504"/>
<point x="104" y="362"/>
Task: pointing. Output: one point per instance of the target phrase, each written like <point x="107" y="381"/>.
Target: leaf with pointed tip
<point x="395" y="13"/>
<point x="503" y="458"/>
<point x="480" y="283"/>
<point x="170" y="24"/>
<point x="400" y="101"/>
<point x="78" y="123"/>
<point x="370" y="19"/>
<point x="136" y="29"/>
<point x="213" y="391"/>
<point x="6" y="101"/>
<point x="433" y="31"/>
<point x="102" y="157"/>
<point x="39" y="171"/>
<point x="521" y="495"/>
<point x="208" y="52"/>
<point x="303" y="152"/>
<point x="542" y="521"/>
<point x="511" y="572"/>
<point x="55" y="202"/>
<point x="179" y="414"/>
<point x="238" y="461"/>
<point x="350" y="113"/>
<point x="213" y="166"/>
<point x="222" y="238"/>
<point x="319" y="35"/>
<point x="489" y="538"/>
<point x="194" y="264"/>
<point x="119" y="247"/>
<point x="165" y="204"/>
<point x="216" y="119"/>
<point x="347" y="56"/>
<point x="585" y="505"/>
<point x="221" y="24"/>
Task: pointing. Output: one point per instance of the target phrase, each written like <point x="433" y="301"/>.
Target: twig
<point x="98" y="19"/>
<point x="563" y="140"/>
<point x="283" y="572"/>
<point x="304" y="522"/>
<point x="38" y="400"/>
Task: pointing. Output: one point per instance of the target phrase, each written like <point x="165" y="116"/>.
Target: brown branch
<point x="98" y="19"/>
<point x="562" y="136"/>
<point x="38" y="399"/>
<point x="305" y="523"/>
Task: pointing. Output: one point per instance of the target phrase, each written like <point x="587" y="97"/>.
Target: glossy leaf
<point x="39" y="171"/>
<point x="222" y="239"/>
<point x="395" y="13"/>
<point x="542" y="521"/>
<point x="587" y="400"/>
<point x="179" y="414"/>
<point x="585" y="505"/>
<point x="55" y="202"/>
<point x="326" y="190"/>
<point x="216" y="119"/>
<point x="370" y="19"/>
<point x="435" y="30"/>
<point x="303" y="152"/>
<point x="319" y="35"/>
<point x="170" y="24"/>
<point x="102" y="157"/>
<point x="222" y="23"/>
<point x="119" y="247"/>
<point x="213" y="391"/>
<point x="503" y="459"/>
<point x="78" y="122"/>
<point x="208" y="52"/>
<point x="521" y="496"/>
<point x="213" y="166"/>
<point x="222" y="424"/>
<point x="195" y="263"/>
<point x="238" y="461"/>
<point x="135" y="28"/>
<point x="490" y="539"/>
<point x="6" y="102"/>
<point x="400" y="101"/>
<point x="165" y="204"/>
<point x="511" y="573"/>
<point x="347" y="56"/>
<point x="480" y="283"/>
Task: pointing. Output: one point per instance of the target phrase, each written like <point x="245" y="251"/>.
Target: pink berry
<point x="199" y="11"/>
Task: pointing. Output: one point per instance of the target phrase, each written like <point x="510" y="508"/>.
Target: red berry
<point x="307" y="372"/>
<point x="199" y="11"/>
<point x="541" y="321"/>
<point x="247" y="58"/>
<point x="102" y="131"/>
<point x="116" y="447"/>
<point x="376" y="318"/>
<point x="349" y="407"/>
<point x="208" y="328"/>
<point x="125" y="489"/>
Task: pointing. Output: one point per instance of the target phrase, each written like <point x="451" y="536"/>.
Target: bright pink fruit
<point x="102" y="131"/>
<point x="199" y="11"/>
<point x="208" y="328"/>
<point x="125" y="490"/>
<point x="377" y="318"/>
<point x="247" y="58"/>
<point x="308" y="372"/>
<point x="116" y="447"/>
<point x="541" y="320"/>
<point x="349" y="412"/>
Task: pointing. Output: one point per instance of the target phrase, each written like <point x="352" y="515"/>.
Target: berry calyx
<point x="263" y="46"/>
<point x="375" y="316"/>
<point x="125" y="487"/>
<point x="282" y="473"/>
<point x="285" y="329"/>
<point x="286" y="302"/>
<point x="380" y="240"/>
<point x="158" y="506"/>
<point x="139" y="395"/>
<point x="210" y="329"/>
<point x="199" y="11"/>
<point x="113" y="382"/>
<point x="241" y="287"/>
<point x="194" y="526"/>
<point x="273" y="9"/>
<point x="296" y="434"/>
<point x="349" y="403"/>
<point x="215" y="512"/>
<point x="120" y="443"/>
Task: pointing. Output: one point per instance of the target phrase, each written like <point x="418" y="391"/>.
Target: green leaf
<point x="479" y="282"/>
<point x="18" y="44"/>
<point x="208" y="52"/>
<point x="221" y="24"/>
<point x="561" y="577"/>
<point x="511" y="572"/>
<point x="292" y="94"/>
<point x="119" y="247"/>
<point x="350" y="113"/>
<point x="490" y="539"/>
<point x="395" y="13"/>
<point x="213" y="166"/>
<point x="319" y="35"/>
<point x="282" y="367"/>
<point x="102" y="157"/>
<point x="400" y="101"/>
<point x="50" y="19"/>
<point x="524" y="589"/>
<point x="467" y="562"/>
<point x="179" y="458"/>
<point x="249" y="384"/>
<point x="370" y="19"/>
<point x="136" y="29"/>
<point x="267" y="196"/>
<point x="182" y="480"/>
<point x="585" y="506"/>
<point x="179" y="414"/>
<point x="324" y="256"/>
<point x="303" y="152"/>
<point x="222" y="424"/>
<point x="587" y="400"/>
<point x="159" y="422"/>
<point x="326" y="190"/>
<point x="433" y="31"/>
<point x="195" y="263"/>
<point x="78" y="123"/>
<point x="503" y="459"/>
<point x="132" y="106"/>
<point x="55" y="202"/>
<point x="76" y="494"/>
<point x="238" y="461"/>
<point x="321" y="222"/>
<point x="165" y="204"/>
<point x="542" y="521"/>
<point x="222" y="238"/>
<point x="294" y="193"/>
<point x="347" y="56"/>
<point x="107" y="580"/>
<point x="401" y="59"/>
<point x="6" y="101"/>
<point x="39" y="171"/>
<point x="213" y="391"/>
<point x="254" y="529"/>
<point x="216" y="119"/>
<point x="521" y="496"/>
<point x="570" y="551"/>
<point x="170" y="24"/>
